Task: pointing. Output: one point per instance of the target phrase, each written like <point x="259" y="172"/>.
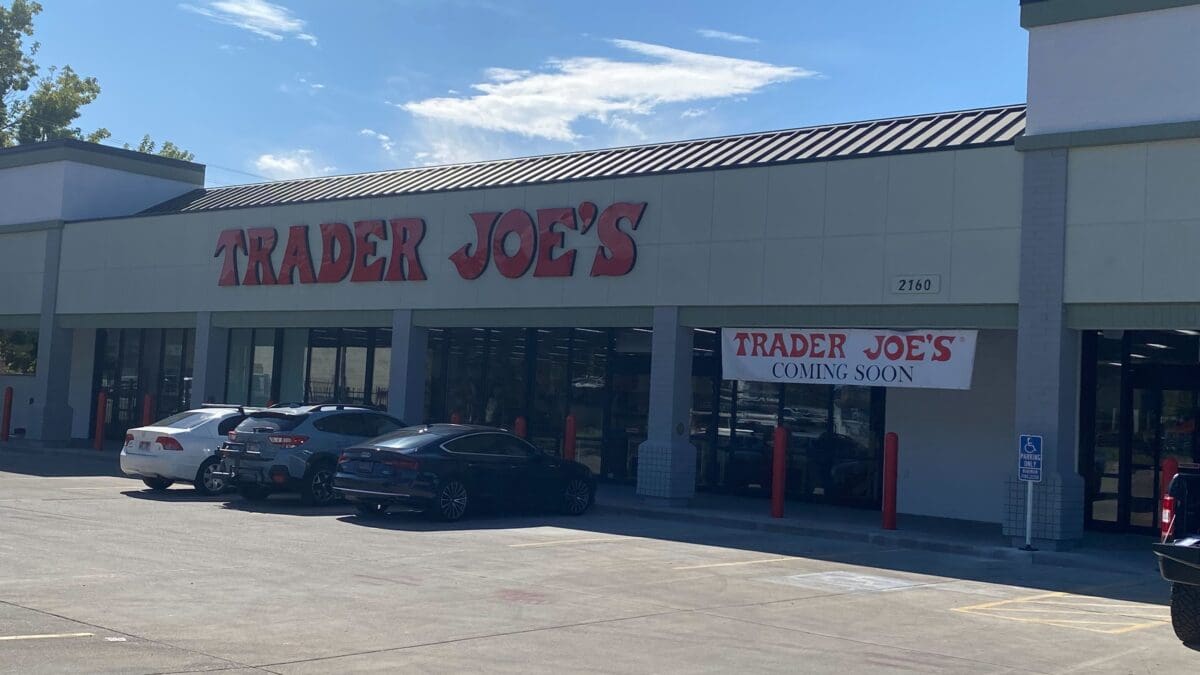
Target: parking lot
<point x="97" y="574"/>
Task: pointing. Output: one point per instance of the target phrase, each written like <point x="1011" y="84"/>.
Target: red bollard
<point x="569" y="439"/>
<point x="455" y="418"/>
<point x="521" y="427"/>
<point x="1170" y="467"/>
<point x="101" y="411"/>
<point x="891" y="458"/>
<point x="147" y="410"/>
<point x="779" y="472"/>
<point x="6" y="418"/>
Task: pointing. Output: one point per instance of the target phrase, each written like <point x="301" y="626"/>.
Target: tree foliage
<point x="36" y="107"/>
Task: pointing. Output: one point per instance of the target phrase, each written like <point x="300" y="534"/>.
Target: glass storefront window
<point x="630" y="407"/>
<point x="550" y="389"/>
<point x="133" y="363"/>
<point x="322" y="365"/>
<point x="262" y="367"/>
<point x="352" y="384"/>
<point x="589" y="377"/>
<point x="381" y="368"/>
<point x="504" y="380"/>
<point x="237" y="373"/>
<point x="435" y="376"/>
<point x="464" y="377"/>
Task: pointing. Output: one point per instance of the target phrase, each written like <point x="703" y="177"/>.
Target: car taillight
<point x="128" y="439"/>
<point x="401" y="463"/>
<point x="169" y="443"/>
<point x="1167" y="524"/>
<point x="287" y="441"/>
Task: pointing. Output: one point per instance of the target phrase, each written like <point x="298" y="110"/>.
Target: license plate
<point x="252" y="447"/>
<point x="364" y="467"/>
<point x="143" y="445"/>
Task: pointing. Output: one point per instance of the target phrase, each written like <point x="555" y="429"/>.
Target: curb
<point x="884" y="539"/>
<point x="84" y="453"/>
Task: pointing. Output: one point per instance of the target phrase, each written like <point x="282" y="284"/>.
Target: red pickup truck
<point x="1179" y="552"/>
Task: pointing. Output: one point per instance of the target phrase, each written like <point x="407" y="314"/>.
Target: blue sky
<point x="292" y="88"/>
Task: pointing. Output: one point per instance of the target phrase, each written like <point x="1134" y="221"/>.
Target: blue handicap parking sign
<point x="1030" y="465"/>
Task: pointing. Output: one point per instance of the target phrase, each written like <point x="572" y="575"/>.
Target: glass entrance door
<point x="1163" y="425"/>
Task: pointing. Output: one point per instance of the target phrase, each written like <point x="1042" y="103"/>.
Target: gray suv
<point x="295" y="449"/>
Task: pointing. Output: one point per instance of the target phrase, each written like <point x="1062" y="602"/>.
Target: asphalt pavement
<point x="99" y="575"/>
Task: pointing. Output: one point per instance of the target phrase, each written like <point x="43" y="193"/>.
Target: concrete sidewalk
<point x="1098" y="551"/>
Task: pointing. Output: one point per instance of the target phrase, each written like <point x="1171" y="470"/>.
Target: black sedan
<point x="448" y="469"/>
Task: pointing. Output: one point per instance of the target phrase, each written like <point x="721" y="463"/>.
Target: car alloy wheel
<point x="210" y="484"/>
<point x="578" y="496"/>
<point x="452" y="500"/>
<point x="321" y="487"/>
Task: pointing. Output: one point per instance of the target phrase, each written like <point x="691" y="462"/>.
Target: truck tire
<point x="1185" y="613"/>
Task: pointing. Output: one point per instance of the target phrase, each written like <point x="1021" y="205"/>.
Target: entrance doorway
<point x="1140" y="406"/>
<point x="1163" y="424"/>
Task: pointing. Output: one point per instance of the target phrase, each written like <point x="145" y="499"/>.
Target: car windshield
<point x="183" y="420"/>
<point x="405" y="439"/>
<point x="269" y="421"/>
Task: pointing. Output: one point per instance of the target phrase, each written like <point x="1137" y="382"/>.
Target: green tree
<point x="37" y="108"/>
<point x="168" y="149"/>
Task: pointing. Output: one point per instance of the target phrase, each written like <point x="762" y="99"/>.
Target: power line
<point x="114" y="142"/>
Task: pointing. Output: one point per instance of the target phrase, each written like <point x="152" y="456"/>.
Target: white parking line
<point x="47" y="636"/>
<point x="567" y="541"/>
<point x="731" y="564"/>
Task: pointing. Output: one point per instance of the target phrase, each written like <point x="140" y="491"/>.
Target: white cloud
<point x="722" y="35"/>
<point x="291" y="164"/>
<point x="260" y="17"/>
<point x="549" y="103"/>
<point x="691" y="113"/>
<point x="431" y="143"/>
<point x="385" y="142"/>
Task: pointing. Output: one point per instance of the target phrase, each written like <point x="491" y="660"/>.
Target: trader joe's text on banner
<point x="930" y="359"/>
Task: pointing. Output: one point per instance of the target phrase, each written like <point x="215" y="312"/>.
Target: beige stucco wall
<point x="22" y="257"/>
<point x="1133" y="223"/>
<point x="833" y="233"/>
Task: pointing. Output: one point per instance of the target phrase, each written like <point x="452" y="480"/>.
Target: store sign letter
<point x="542" y="245"/>
<point x="359" y="253"/>
<point x="515" y="242"/>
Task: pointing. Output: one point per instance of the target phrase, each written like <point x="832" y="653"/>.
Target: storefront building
<point x="1053" y="236"/>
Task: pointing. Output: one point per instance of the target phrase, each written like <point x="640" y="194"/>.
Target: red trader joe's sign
<point x="934" y="359"/>
<point x="389" y="250"/>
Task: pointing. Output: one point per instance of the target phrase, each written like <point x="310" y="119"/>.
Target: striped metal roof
<point x="922" y="133"/>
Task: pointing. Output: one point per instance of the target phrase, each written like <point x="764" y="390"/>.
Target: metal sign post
<point x="1029" y="469"/>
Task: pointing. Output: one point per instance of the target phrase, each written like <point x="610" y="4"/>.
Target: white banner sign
<point x="927" y="359"/>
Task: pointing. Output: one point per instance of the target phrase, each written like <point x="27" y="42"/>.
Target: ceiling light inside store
<point x="1158" y="346"/>
<point x="1139" y="356"/>
<point x="1188" y="332"/>
<point x="1113" y="363"/>
<point x="705" y="331"/>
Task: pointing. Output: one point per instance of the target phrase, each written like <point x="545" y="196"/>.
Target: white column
<point x="406" y="385"/>
<point x="667" y="459"/>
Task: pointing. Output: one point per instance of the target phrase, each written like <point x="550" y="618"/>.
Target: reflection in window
<point x="319" y="387"/>
<point x="504" y="377"/>
<point x="381" y="370"/>
<point x="18" y="352"/>
<point x="262" y="370"/>
<point x="550" y="389"/>
<point x="464" y="378"/>
<point x="589" y="367"/>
